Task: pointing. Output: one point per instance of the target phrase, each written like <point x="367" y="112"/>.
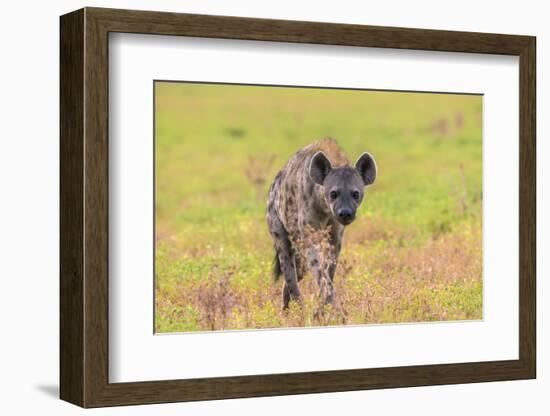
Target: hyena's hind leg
<point x="285" y="259"/>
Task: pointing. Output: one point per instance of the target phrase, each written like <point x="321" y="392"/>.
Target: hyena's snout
<point x="346" y="216"/>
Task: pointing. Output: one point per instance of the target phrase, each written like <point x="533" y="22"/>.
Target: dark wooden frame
<point x="84" y="207"/>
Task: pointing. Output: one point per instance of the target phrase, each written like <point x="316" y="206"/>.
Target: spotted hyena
<point x="311" y="200"/>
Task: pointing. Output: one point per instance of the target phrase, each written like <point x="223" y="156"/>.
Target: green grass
<point x="413" y="254"/>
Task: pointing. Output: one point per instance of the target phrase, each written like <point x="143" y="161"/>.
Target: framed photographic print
<point x="255" y="207"/>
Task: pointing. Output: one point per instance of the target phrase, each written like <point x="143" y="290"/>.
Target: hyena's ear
<point x="319" y="168"/>
<point x="366" y="167"/>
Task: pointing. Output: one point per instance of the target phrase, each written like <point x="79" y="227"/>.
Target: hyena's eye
<point x="355" y="195"/>
<point x="333" y="195"/>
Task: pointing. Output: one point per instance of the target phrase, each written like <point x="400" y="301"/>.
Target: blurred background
<point x="414" y="254"/>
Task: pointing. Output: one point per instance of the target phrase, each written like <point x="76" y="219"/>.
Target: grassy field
<point x="413" y="254"/>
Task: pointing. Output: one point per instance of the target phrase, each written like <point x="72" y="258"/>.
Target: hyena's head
<point x="343" y="187"/>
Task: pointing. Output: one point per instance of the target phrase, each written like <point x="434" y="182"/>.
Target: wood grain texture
<point x="71" y="213"/>
<point x="162" y="23"/>
<point x="96" y="219"/>
<point x="527" y="207"/>
<point x="84" y="207"/>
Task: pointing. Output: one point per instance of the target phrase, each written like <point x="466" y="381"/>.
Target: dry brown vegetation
<point x="374" y="283"/>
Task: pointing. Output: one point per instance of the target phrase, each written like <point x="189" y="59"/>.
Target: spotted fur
<point x="301" y="203"/>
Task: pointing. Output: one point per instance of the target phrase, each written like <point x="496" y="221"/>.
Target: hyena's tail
<point x="276" y="270"/>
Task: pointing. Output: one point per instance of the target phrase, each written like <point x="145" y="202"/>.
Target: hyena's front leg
<point x="320" y="262"/>
<point x="287" y="260"/>
<point x="336" y="235"/>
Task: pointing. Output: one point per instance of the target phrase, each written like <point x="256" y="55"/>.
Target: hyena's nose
<point x="345" y="215"/>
